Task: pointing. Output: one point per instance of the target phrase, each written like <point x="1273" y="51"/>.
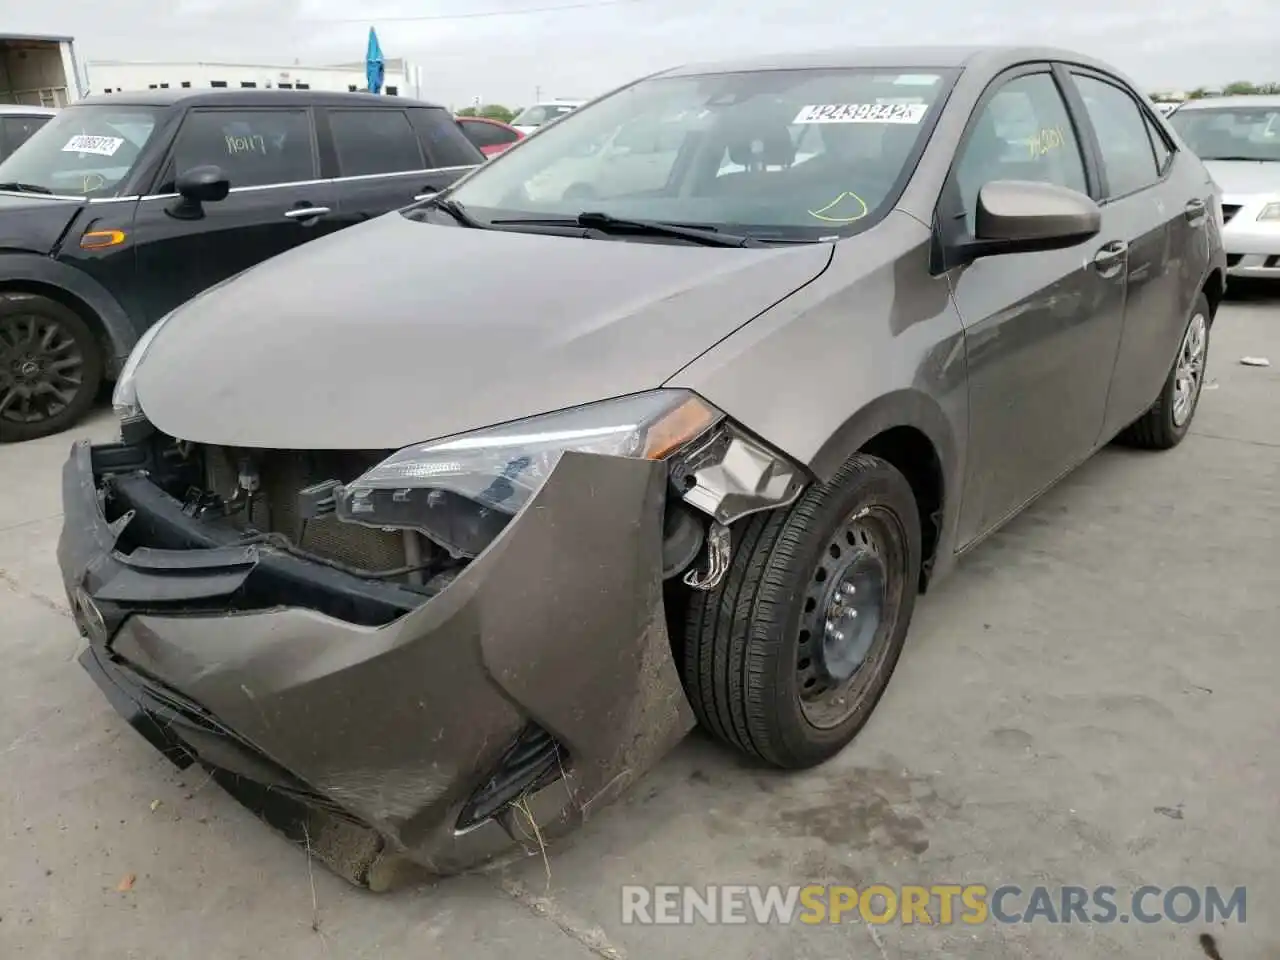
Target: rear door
<point x="1041" y="329"/>
<point x="1154" y="207"/>
<point x="449" y="152"/>
<point x="276" y="202"/>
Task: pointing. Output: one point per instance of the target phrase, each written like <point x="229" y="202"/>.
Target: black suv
<point x="125" y="205"/>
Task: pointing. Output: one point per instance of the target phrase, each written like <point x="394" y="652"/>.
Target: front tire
<point x="51" y="367"/>
<point x="787" y="657"/>
<point x="1167" y="421"/>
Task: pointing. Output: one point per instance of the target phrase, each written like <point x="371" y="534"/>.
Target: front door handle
<point x="1110" y="260"/>
<point x="1194" y="211"/>
<point x="306" y="213"/>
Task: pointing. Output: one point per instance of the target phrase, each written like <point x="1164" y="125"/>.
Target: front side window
<point x="1230" y="133"/>
<point x="799" y="154"/>
<point x="253" y="147"/>
<point x="1023" y="132"/>
<point x="374" y="141"/>
<point x="85" y="150"/>
<point x="1127" y="154"/>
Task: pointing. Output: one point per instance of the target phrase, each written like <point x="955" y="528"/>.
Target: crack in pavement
<point x="592" y="938"/>
<point x="17" y="586"/>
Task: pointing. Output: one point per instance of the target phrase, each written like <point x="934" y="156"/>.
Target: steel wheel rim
<point x="1189" y="370"/>
<point x="41" y="368"/>
<point x="850" y="612"/>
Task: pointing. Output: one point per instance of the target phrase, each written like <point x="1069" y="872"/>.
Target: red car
<point x="490" y="136"/>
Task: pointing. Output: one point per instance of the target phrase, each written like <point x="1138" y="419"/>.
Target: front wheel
<point x="1167" y="421"/>
<point x="51" y="367"/>
<point x="787" y="657"/>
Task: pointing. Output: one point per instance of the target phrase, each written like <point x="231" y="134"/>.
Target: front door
<point x="1041" y="329"/>
<point x="276" y="202"/>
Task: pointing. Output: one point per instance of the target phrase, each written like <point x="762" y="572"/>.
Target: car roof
<point x="256" y="97"/>
<point x="22" y="109"/>
<point x="1246" y="100"/>
<point x="943" y="57"/>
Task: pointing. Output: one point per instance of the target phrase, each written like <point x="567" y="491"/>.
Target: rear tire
<point x="51" y="367"/>
<point x="776" y="661"/>
<point x="1167" y="421"/>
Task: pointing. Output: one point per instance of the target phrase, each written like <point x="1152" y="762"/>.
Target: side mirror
<point x="197" y="186"/>
<point x="1022" y="216"/>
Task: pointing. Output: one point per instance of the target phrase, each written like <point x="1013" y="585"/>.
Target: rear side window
<point x="1127" y="154"/>
<point x="486" y="134"/>
<point x="374" y="141"/>
<point x="254" y="147"/>
<point x="447" y="145"/>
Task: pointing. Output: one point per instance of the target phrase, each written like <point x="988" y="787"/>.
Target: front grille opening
<point x="1234" y="258"/>
<point x="533" y="761"/>
<point x="1272" y="262"/>
<point x="275" y="508"/>
<point x="1229" y="210"/>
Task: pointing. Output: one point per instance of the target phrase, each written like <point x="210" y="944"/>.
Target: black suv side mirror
<point x="197" y="186"/>
<point x="1021" y="216"/>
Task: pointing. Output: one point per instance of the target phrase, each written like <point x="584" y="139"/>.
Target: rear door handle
<point x="1110" y="260"/>
<point x="1194" y="211"/>
<point x="306" y="213"/>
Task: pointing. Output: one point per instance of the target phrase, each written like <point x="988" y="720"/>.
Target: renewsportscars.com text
<point x="941" y="904"/>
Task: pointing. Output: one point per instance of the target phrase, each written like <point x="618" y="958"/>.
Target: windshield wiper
<point x="1245" y="159"/>
<point x="25" y="187"/>
<point x="454" y="209"/>
<point x="596" y="220"/>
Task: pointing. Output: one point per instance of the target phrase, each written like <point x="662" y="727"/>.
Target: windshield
<point x="86" y="150"/>
<point x="541" y="113"/>
<point x="785" y="154"/>
<point x="1230" y="133"/>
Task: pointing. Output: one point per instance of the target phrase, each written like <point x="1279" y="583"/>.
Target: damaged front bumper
<point x="377" y="725"/>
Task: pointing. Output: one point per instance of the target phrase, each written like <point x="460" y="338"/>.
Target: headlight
<point x="462" y="490"/>
<point x="125" y="396"/>
<point x="1270" y="212"/>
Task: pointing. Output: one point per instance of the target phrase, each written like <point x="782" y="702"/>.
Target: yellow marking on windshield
<point x="821" y="212"/>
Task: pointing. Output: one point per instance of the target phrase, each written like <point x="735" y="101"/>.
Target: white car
<point x="1238" y="138"/>
<point x="18" y="123"/>
<point x="539" y="114"/>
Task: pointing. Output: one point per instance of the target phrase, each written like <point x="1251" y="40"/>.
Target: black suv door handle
<point x="1194" y="211"/>
<point x="1109" y="260"/>
<point x="306" y="213"/>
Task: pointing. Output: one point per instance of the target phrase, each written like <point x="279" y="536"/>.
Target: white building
<point x="109" y="76"/>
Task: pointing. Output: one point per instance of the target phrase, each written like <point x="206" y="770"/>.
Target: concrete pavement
<point x="1090" y="699"/>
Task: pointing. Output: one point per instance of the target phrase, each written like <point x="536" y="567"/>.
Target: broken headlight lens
<point x="462" y="490"/>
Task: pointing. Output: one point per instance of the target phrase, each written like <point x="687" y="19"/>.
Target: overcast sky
<point x="487" y="48"/>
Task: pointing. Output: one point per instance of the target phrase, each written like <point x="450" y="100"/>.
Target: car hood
<point x="395" y="331"/>
<point x="1240" y="178"/>
<point x="35" y="223"/>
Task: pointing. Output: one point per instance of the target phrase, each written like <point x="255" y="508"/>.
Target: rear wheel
<point x="51" y="367"/>
<point x="787" y="657"/>
<point x="1167" y="421"/>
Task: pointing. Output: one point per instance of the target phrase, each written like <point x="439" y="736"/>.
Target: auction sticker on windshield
<point x="102" y="146"/>
<point x="862" y="113"/>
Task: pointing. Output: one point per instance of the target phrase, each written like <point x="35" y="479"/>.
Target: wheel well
<point x="913" y="454"/>
<point x="71" y="302"/>
<point x="1215" y="287"/>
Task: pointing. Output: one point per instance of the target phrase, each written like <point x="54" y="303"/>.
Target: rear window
<point x="447" y="145"/>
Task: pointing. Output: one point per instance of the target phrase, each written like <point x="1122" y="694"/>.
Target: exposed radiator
<point x="283" y="473"/>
